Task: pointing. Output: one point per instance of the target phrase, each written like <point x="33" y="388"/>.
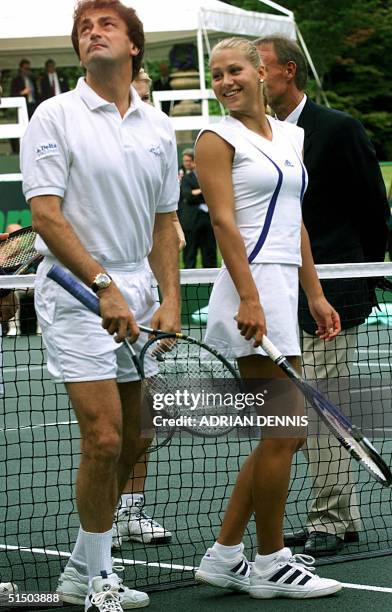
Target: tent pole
<point x="278" y="7"/>
<point x="202" y="74"/>
<point x="312" y="66"/>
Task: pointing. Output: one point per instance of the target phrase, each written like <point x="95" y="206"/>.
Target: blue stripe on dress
<point x="303" y="182"/>
<point x="270" y="212"/>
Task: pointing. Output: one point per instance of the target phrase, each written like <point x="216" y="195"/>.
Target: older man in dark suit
<point x="345" y="211"/>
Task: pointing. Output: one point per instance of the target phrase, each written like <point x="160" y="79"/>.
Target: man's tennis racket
<point x="182" y="363"/>
<point x="349" y="436"/>
<point x="17" y="254"/>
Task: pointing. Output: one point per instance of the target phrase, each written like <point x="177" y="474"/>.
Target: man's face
<point x="51" y="67"/>
<point x="25" y="68"/>
<point x="188" y="163"/>
<point x="103" y="37"/>
<point x="275" y="81"/>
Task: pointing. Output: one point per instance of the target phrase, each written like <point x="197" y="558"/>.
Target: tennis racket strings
<point x="186" y="379"/>
<point x="17" y="252"/>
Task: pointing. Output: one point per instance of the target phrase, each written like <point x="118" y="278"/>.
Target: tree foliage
<point x="351" y="46"/>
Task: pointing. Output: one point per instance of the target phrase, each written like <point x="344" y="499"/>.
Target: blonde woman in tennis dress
<point x="251" y="172"/>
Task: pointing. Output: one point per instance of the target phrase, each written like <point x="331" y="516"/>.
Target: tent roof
<point x="28" y="25"/>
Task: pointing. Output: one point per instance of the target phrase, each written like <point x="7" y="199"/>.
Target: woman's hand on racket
<point x="251" y="321"/>
<point x="117" y="318"/>
<point x="326" y="317"/>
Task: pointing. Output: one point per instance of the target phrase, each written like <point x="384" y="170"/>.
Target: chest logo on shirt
<point x="289" y="164"/>
<point x="155" y="149"/>
<point x="47" y="149"/>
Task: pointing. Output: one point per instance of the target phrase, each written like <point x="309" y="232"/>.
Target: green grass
<point x="387" y="175"/>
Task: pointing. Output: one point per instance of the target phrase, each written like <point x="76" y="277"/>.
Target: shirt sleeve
<point x="170" y="192"/>
<point x="45" y="157"/>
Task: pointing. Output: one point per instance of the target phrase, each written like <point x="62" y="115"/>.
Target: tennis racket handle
<point x="67" y="282"/>
<point x="271" y="350"/>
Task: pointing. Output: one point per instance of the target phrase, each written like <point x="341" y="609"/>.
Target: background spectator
<point x="163" y="84"/>
<point x="24" y="85"/>
<point x="194" y="218"/>
<point x="52" y="83"/>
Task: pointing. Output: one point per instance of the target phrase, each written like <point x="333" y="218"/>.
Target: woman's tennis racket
<point x="349" y="436"/>
<point x="17" y="254"/>
<point x="207" y="381"/>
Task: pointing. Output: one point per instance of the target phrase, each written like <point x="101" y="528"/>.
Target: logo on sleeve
<point x="47" y="150"/>
<point x="155" y="149"/>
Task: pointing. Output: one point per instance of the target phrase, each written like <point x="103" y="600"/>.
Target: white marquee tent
<point x="40" y="29"/>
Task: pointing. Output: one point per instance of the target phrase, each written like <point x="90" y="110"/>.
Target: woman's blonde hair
<point x="245" y="46"/>
<point x="142" y="75"/>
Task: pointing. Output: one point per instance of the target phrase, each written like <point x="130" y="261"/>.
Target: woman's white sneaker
<point x="223" y="573"/>
<point x="289" y="575"/>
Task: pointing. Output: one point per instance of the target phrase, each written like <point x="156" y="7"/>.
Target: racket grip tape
<point x="271" y="350"/>
<point x="67" y="282"/>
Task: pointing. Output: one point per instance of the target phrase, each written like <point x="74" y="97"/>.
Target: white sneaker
<point x="290" y="576"/>
<point x="73" y="586"/>
<point x="108" y="595"/>
<point x="132" y="523"/>
<point x="8" y="587"/>
<point x="232" y="574"/>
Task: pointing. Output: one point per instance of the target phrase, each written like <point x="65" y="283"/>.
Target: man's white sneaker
<point x="232" y="574"/>
<point x="132" y="523"/>
<point x="8" y="587"/>
<point x="73" y="586"/>
<point x="289" y="576"/>
<point x="108" y="595"/>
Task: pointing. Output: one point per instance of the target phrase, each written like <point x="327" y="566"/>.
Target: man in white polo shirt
<point x="99" y="170"/>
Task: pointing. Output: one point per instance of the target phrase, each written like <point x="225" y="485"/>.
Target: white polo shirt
<point x="112" y="173"/>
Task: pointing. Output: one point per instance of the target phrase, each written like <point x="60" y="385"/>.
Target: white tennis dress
<point x="269" y="181"/>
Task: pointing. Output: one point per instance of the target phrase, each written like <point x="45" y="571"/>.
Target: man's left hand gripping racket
<point x="349" y="436"/>
<point x="180" y="362"/>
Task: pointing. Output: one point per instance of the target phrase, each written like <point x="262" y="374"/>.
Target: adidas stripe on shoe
<point x="232" y="574"/>
<point x="289" y="576"/>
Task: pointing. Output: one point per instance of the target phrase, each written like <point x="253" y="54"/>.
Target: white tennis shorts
<point x="78" y="348"/>
<point x="278" y="291"/>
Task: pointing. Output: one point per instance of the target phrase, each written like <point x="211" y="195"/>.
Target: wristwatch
<point x="101" y="281"/>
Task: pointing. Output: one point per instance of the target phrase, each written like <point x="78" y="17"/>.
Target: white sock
<point x="227" y="552"/>
<point x="264" y="561"/>
<point x="78" y="558"/>
<point x="132" y="497"/>
<point x="98" y="547"/>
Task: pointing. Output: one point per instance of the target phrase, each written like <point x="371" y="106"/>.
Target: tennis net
<point x="189" y="479"/>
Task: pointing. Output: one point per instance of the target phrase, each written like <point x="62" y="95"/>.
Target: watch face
<point x="102" y="280"/>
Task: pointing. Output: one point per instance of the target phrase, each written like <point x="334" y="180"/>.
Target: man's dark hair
<point x="189" y="153"/>
<point x="50" y="62"/>
<point x="24" y="62"/>
<point x="127" y="14"/>
<point x="288" y="51"/>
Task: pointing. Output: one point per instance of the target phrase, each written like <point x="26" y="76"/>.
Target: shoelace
<point x="304" y="561"/>
<point x="110" y="598"/>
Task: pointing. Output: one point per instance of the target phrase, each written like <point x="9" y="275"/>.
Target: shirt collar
<point x="94" y="101"/>
<point x="294" y="115"/>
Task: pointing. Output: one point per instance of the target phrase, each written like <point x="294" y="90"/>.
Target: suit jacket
<point x="18" y="85"/>
<point x="345" y="208"/>
<point x="46" y="88"/>
<point x="159" y="85"/>
<point x="188" y="211"/>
